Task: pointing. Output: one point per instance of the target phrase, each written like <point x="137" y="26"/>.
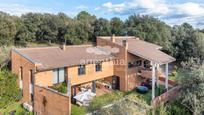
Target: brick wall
<point x="49" y="102"/>
<point x="18" y="61"/>
<point x="44" y="78"/>
<point x="120" y="64"/>
<point x="91" y="74"/>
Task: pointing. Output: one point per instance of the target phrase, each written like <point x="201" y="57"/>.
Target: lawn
<point x="76" y="110"/>
<point x="14" y="107"/>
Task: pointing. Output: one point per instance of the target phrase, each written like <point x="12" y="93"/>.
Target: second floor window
<point x="81" y="69"/>
<point x="98" y="66"/>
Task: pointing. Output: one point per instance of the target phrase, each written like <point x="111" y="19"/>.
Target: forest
<point x="181" y="41"/>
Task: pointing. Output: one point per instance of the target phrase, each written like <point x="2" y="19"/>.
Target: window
<point x="59" y="75"/>
<point x="21" y="73"/>
<point x="31" y="77"/>
<point x="81" y="69"/>
<point x="138" y="63"/>
<point x="21" y="78"/>
<point x="146" y="64"/>
<point x="130" y="65"/>
<point x="98" y="66"/>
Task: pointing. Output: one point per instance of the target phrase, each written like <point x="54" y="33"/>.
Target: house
<point x="116" y="62"/>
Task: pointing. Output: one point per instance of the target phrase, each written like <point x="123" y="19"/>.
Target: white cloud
<point x="144" y="6"/>
<point x="190" y="8"/>
<point x="115" y="7"/>
<point x="18" y="9"/>
<point x="81" y="7"/>
<point x="173" y="13"/>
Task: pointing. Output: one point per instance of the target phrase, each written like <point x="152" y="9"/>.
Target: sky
<point x="173" y="12"/>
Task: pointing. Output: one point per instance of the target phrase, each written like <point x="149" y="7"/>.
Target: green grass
<point x="148" y="96"/>
<point x="15" y="106"/>
<point x="9" y="108"/>
<point x="76" y="110"/>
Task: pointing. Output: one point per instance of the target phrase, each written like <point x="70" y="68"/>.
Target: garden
<point x="98" y="103"/>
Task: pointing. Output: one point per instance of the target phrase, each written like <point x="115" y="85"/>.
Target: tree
<point x="85" y="28"/>
<point x="192" y="85"/>
<point x="32" y="22"/>
<point x="102" y="27"/>
<point x="71" y="35"/>
<point x="117" y="26"/>
<point x="199" y="36"/>
<point x="186" y="42"/>
<point x="149" y="29"/>
<point x="7" y="29"/>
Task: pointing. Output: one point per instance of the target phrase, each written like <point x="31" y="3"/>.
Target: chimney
<point x="125" y="44"/>
<point x="113" y="38"/>
<point x="63" y="46"/>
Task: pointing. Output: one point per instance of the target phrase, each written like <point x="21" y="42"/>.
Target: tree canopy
<point x="180" y="41"/>
<point x="192" y="85"/>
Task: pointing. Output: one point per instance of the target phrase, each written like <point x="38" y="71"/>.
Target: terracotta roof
<point x="144" y="49"/>
<point x="55" y="57"/>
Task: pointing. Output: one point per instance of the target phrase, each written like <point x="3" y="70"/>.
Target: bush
<point x="175" y="108"/>
<point x="61" y="87"/>
<point x="162" y="110"/>
<point x="98" y="102"/>
<point x="9" y="91"/>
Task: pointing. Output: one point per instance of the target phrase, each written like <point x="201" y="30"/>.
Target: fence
<point x="172" y="94"/>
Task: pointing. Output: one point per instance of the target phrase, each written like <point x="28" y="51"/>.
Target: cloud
<point x="154" y="7"/>
<point x="172" y="13"/>
<point x="18" y="9"/>
<point x="82" y="7"/>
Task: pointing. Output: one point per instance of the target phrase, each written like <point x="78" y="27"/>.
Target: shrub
<point x="98" y="102"/>
<point x="175" y="108"/>
<point x="9" y="91"/>
<point x="61" y="87"/>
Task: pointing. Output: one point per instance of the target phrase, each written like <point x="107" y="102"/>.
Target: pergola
<point x="156" y="57"/>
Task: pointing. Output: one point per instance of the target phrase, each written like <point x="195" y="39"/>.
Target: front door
<point x="115" y="83"/>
